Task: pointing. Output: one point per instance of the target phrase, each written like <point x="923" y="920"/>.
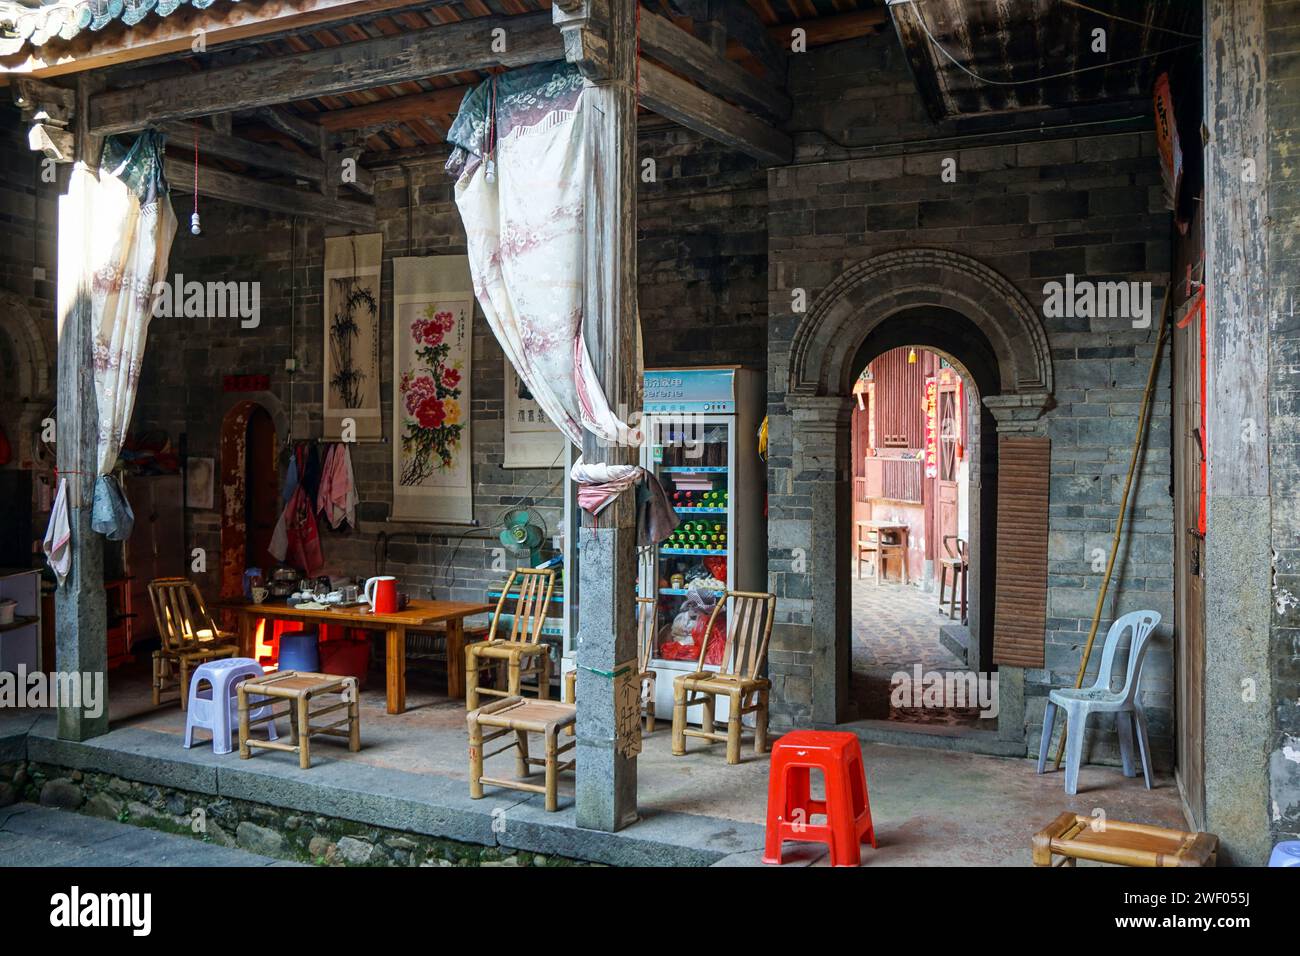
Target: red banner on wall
<point x="931" y="427"/>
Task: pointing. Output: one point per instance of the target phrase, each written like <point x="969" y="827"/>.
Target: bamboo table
<point x="1071" y="836"/>
<point x="419" y="615"/>
<point x="298" y="689"/>
<point x="888" y="527"/>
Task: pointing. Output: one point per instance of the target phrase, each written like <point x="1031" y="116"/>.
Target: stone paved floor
<point x="897" y="625"/>
<point x="32" y="835"/>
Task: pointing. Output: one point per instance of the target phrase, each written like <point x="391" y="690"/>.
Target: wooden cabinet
<point x="20" y="640"/>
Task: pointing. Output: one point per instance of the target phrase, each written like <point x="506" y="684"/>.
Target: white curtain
<point x="522" y="177"/>
<point x="131" y="225"/>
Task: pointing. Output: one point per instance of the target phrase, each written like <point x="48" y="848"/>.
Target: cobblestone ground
<point x="897" y="625"/>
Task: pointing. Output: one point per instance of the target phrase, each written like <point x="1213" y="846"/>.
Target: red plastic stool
<point x="789" y="801"/>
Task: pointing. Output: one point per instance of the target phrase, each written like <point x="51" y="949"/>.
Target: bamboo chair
<point x="188" y="634"/>
<point x="749" y="629"/>
<point x="645" y="650"/>
<point x="523" y="653"/>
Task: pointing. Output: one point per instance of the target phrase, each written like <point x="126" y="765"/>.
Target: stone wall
<point x="703" y="300"/>
<point x="1033" y="209"/>
<point x="279" y="832"/>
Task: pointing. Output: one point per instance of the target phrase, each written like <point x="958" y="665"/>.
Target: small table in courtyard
<point x="882" y="528"/>
<point x="419" y="615"/>
<point x="298" y="690"/>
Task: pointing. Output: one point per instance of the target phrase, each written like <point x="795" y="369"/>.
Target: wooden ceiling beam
<point x="681" y="101"/>
<point x="434" y="104"/>
<point x="218" y="184"/>
<point x="676" y="49"/>
<point x="742" y="26"/>
<point x="383" y="61"/>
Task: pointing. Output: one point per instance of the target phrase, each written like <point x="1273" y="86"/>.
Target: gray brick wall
<point x="703" y="261"/>
<point x="1033" y="210"/>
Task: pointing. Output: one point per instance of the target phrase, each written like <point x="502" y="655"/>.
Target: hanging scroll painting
<point x="531" y="438"/>
<point x="351" y="367"/>
<point x="433" y="309"/>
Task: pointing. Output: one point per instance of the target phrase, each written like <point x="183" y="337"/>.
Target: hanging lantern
<point x="911" y="356"/>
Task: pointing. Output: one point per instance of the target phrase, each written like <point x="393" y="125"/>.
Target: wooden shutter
<point x="1020" y="600"/>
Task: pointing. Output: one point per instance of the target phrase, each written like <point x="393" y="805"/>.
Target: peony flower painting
<point x="430" y="397"/>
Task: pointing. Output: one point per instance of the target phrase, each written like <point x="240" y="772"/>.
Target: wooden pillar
<point x="1238" y="564"/>
<point x="600" y="37"/>
<point x="80" y="607"/>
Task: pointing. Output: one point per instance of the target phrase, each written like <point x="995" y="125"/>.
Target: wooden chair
<point x="749" y="628"/>
<point x="957" y="563"/>
<point x="865" y="544"/>
<point x="523" y="653"/>
<point x="188" y="634"/>
<point x="645" y="650"/>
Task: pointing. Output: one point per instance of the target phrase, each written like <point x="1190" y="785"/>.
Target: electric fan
<point x="521" y="535"/>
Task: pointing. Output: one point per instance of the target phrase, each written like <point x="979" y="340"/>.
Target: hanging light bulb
<point x="195" y="228"/>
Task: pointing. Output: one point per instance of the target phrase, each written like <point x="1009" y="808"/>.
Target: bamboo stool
<point x="521" y="717"/>
<point x="297" y="689"/>
<point x="1072" y="837"/>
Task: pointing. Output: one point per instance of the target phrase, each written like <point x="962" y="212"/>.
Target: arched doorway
<point x="927" y="297"/>
<point x="250" y="490"/>
<point x="936" y="481"/>
<point x="26" y="397"/>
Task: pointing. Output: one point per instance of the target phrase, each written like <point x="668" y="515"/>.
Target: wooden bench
<point x="1072" y="837"/>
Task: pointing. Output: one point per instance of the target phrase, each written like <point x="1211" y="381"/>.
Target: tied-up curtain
<point x="522" y="172"/>
<point x="131" y="225"/>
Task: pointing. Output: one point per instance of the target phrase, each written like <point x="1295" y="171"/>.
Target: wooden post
<point x="80" y="607"/>
<point x="600" y="36"/>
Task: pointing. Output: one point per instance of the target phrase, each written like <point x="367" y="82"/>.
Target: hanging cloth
<point x="599" y="484"/>
<point x="521" y="174"/>
<point x="290" y="479"/>
<point x="130" y="225"/>
<point x="296" y="538"/>
<point x="58" y="535"/>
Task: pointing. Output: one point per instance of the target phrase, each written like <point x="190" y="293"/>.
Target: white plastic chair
<point x="216" y="707"/>
<point x="1099" y="698"/>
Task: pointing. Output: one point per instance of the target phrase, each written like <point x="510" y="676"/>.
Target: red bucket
<point x="346" y="657"/>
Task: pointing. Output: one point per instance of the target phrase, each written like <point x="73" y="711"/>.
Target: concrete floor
<point x="930" y="807"/>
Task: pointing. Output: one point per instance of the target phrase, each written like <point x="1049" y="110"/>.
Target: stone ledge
<point x="422" y="804"/>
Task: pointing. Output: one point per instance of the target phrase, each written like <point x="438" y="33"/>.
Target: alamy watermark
<point x="212" y="300"/>
<point x="83" y="691"/>
<point x="1088" y="299"/>
<point x="944" y="690"/>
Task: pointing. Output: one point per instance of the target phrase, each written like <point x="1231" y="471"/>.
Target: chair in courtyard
<point x="189" y="637"/>
<point x="865" y="546"/>
<point x="645" y="650"/>
<point x="523" y="653"/>
<point x="956" y="562"/>
<point x="748" y="630"/>
<point x="1099" y="698"/>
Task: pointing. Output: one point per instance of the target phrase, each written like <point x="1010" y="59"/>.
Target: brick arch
<point x="34" y="364"/>
<point x="869" y="292"/>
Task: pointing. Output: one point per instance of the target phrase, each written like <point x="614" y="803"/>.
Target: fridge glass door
<point x="693" y="459"/>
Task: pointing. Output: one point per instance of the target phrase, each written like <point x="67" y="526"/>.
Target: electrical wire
<point x="925" y="28"/>
<point x="1136" y="23"/>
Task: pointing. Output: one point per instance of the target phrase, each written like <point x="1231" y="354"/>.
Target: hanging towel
<point x="322" y="496"/>
<point x="296" y="539"/>
<point x="599" y="484"/>
<point x="310" y="471"/>
<point x="58" y="536"/>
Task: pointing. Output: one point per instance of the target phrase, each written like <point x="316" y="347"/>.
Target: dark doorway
<point x="261" y="483"/>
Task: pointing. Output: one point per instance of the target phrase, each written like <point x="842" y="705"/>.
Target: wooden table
<point x="419" y="615"/>
<point x="1071" y="836"/>
<point x="888" y="527"/>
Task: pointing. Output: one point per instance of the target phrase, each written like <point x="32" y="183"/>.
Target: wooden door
<point x="262" y="490"/>
<point x="949" y="455"/>
<point x="1189" y="541"/>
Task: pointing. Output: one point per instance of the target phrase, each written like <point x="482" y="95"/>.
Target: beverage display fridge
<point x="701" y="442"/>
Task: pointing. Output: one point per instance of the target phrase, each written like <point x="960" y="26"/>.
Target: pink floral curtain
<point x="521" y="179"/>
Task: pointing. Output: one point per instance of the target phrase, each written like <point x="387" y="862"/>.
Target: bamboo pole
<point x="1138" y="441"/>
